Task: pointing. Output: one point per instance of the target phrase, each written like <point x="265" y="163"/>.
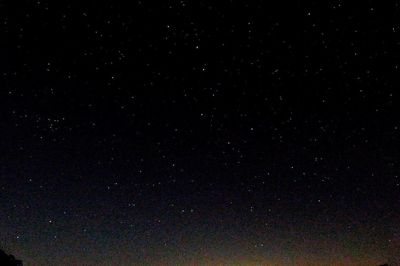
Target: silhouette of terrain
<point x="8" y="260"/>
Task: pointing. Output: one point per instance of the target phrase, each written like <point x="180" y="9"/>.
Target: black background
<point x="245" y="127"/>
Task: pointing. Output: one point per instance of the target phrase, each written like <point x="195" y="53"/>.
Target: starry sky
<point x="199" y="132"/>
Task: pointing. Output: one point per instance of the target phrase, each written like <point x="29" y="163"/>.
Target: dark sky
<point x="182" y="133"/>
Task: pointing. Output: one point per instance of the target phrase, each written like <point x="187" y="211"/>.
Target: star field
<point x="182" y="133"/>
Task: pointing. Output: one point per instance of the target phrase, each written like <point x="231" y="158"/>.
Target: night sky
<point x="200" y="132"/>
